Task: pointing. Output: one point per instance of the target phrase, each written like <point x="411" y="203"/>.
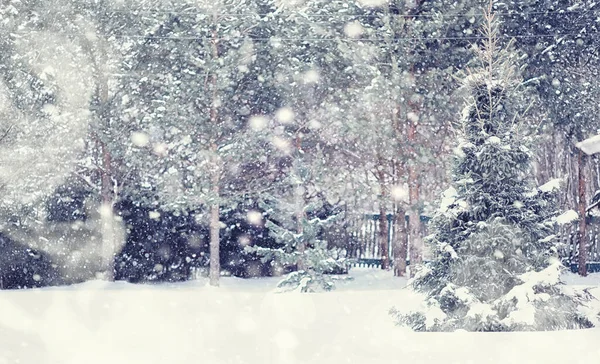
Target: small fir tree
<point x="495" y="266"/>
<point x="302" y="244"/>
<point x="316" y="258"/>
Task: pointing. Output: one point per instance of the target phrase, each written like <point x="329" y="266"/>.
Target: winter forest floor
<point x="243" y="321"/>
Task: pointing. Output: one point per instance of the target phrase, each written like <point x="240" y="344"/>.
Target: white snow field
<point x="243" y="321"/>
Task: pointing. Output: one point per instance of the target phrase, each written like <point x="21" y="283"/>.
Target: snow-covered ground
<point x="245" y="322"/>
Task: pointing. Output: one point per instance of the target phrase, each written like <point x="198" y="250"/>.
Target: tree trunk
<point x="107" y="222"/>
<point x="106" y="213"/>
<point x="301" y="247"/>
<point x="215" y="226"/>
<point x="582" y="217"/>
<point x="400" y="243"/>
<point x="300" y="215"/>
<point x="383" y="239"/>
<point x="416" y="243"/>
<point x="383" y="223"/>
<point x="105" y="174"/>
<point x="414" y="220"/>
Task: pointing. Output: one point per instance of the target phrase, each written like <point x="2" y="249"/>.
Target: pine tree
<point x="304" y="248"/>
<point x="402" y="106"/>
<point x="195" y="84"/>
<point x="495" y="266"/>
<point x="564" y="68"/>
<point x="311" y="63"/>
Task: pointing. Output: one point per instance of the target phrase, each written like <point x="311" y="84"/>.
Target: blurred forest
<point x="148" y="140"/>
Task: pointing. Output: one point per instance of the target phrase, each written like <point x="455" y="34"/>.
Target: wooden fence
<point x="364" y="242"/>
<point x="363" y="245"/>
<point x="569" y="245"/>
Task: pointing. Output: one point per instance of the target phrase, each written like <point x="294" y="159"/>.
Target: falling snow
<point x="255" y="180"/>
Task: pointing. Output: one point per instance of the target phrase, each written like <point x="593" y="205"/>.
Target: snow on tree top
<point x="590" y="146"/>
<point x="140" y="139"/>
<point x="372" y="3"/>
<point x="459" y="150"/>
<point x="567" y="217"/>
<point x="494" y="140"/>
<point x="448" y="198"/>
<point x="478" y="79"/>
<point x="483" y="310"/>
<point x="449" y="249"/>
<point x="550" y="186"/>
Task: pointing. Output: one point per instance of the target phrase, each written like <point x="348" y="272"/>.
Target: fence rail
<point x="364" y="243"/>
<point x="569" y="239"/>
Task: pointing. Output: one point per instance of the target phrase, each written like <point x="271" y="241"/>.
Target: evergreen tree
<point x="302" y="244"/>
<point x="562" y="56"/>
<point x="195" y="83"/>
<point x="312" y="62"/>
<point x="495" y="266"/>
<point x="563" y="66"/>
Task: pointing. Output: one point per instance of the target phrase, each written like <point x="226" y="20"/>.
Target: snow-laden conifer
<point x="495" y="265"/>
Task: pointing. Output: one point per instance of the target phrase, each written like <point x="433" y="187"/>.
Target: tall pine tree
<point x="194" y="82"/>
<point x="495" y="266"/>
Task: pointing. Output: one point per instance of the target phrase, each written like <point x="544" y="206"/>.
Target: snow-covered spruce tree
<point x="305" y="249"/>
<point x="299" y="215"/>
<point x="495" y="266"/>
<point x="312" y="63"/>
